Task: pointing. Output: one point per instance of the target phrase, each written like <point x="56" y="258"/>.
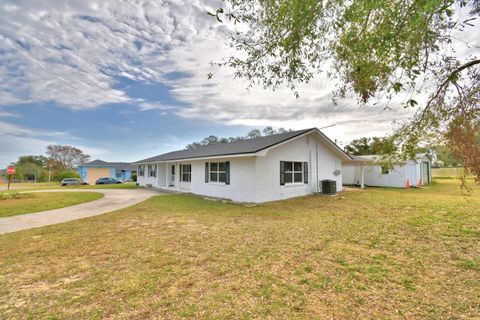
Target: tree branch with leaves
<point x="379" y="50"/>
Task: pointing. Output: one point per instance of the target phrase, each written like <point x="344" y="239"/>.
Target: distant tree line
<point x="255" y="133"/>
<point x="60" y="162"/>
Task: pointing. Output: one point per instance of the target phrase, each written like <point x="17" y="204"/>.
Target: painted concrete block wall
<point x="351" y="174"/>
<point x="394" y="178"/>
<point x="156" y="182"/>
<point x="303" y="149"/>
<point x="242" y="180"/>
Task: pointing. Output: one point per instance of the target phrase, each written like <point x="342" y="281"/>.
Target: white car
<point x="72" y="182"/>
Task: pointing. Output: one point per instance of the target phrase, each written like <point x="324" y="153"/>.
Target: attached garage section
<point x="93" y="174"/>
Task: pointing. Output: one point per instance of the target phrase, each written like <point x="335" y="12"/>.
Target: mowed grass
<point x="19" y="203"/>
<point x="56" y="185"/>
<point x="372" y="254"/>
<point x="448" y="173"/>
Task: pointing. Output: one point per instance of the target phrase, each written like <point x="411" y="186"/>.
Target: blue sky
<point x="128" y="80"/>
<point x="112" y="131"/>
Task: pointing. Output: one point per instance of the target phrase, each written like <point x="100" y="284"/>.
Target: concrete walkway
<point x="114" y="199"/>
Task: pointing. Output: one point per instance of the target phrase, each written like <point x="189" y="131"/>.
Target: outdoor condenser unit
<point x="329" y="186"/>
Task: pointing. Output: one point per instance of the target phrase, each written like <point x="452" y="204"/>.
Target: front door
<point x="172" y="176"/>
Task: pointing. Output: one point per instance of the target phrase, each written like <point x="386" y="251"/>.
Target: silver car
<point x="72" y="182"/>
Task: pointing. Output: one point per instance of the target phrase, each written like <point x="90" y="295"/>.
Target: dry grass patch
<point x="382" y="253"/>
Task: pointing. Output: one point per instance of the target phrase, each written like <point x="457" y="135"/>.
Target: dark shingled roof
<point x="233" y="148"/>
<point x="117" y="165"/>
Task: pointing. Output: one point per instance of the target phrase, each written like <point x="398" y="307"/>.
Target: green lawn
<point x="14" y="203"/>
<point x="371" y="254"/>
<point x="56" y="185"/>
<point x="447" y="172"/>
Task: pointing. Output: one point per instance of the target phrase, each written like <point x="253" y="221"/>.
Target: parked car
<point x="107" y="180"/>
<point x="72" y="182"/>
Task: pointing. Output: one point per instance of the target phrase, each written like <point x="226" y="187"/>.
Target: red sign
<point x="11" y="170"/>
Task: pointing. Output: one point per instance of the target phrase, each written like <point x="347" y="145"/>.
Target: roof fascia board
<point x="201" y="158"/>
<point x="329" y="142"/>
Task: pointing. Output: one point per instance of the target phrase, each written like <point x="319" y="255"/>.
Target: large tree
<point x="254" y="133"/>
<point x="40" y="161"/>
<point x="30" y="167"/>
<point x="375" y="145"/>
<point x="66" y="157"/>
<point x="376" y="49"/>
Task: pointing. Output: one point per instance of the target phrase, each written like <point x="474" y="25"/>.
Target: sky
<point x="127" y="80"/>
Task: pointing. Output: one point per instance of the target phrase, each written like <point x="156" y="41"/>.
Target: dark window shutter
<point x="206" y="172"/>
<point x="305" y="172"/>
<point x="282" y="173"/>
<point x="227" y="172"/>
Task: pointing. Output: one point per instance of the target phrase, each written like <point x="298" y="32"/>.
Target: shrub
<point x="134" y="177"/>
<point x="14" y="195"/>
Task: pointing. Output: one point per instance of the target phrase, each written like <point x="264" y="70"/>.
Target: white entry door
<point x="172" y="176"/>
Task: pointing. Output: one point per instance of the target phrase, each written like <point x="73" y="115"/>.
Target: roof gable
<point x="116" y="165"/>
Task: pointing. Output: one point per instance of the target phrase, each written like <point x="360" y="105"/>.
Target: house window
<point x="141" y="171"/>
<point x="293" y="172"/>
<point x="218" y="172"/>
<point x="385" y="170"/>
<point x="152" y="170"/>
<point x="186" y="172"/>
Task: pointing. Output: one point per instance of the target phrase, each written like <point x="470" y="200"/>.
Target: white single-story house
<point x="367" y="170"/>
<point x="254" y="170"/>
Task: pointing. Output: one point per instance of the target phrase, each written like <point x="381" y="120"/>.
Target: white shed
<point x="366" y="171"/>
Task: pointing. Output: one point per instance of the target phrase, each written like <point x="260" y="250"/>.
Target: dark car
<point x="72" y="182"/>
<point x="107" y="181"/>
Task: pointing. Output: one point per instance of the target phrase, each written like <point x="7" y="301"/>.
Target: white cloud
<point x="17" y="140"/>
<point x="72" y="53"/>
<point x="148" y="106"/>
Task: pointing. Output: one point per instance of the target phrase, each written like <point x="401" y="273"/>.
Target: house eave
<point x="226" y="156"/>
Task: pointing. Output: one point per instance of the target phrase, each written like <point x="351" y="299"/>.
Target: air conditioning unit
<point x="329" y="186"/>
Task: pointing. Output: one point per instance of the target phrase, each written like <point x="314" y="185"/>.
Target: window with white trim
<point x="152" y="170"/>
<point x="186" y="172"/>
<point x="293" y="172"/>
<point x="141" y="171"/>
<point x="218" y="172"/>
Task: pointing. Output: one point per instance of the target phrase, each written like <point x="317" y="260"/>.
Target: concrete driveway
<point x="113" y="199"/>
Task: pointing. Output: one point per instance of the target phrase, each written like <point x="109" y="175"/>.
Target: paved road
<point x="114" y="199"/>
